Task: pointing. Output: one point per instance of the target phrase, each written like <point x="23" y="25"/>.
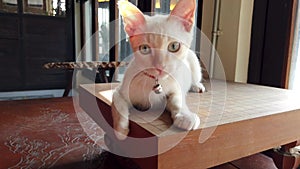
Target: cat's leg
<point x="182" y="117"/>
<point x="197" y="86"/>
<point x="120" y="115"/>
<point x="196" y="71"/>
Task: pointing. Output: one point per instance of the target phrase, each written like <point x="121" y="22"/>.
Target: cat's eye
<point x="174" y="47"/>
<point x="145" y="49"/>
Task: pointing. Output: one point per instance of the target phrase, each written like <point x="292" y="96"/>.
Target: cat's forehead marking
<point x="155" y="40"/>
<point x="158" y="40"/>
<point x="160" y="37"/>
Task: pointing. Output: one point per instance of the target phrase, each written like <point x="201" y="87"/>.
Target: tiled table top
<point x="223" y="103"/>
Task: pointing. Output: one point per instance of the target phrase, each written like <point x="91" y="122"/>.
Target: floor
<point x="52" y="133"/>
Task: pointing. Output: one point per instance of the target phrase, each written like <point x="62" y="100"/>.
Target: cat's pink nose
<point x="160" y="69"/>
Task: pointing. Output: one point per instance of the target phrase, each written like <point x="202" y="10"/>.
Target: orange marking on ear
<point x="185" y="10"/>
<point x="133" y="18"/>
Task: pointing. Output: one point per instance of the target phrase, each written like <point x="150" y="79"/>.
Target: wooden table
<point x="237" y="120"/>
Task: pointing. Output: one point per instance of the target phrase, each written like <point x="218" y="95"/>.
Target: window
<point x="164" y="6"/>
<point x="9" y="6"/>
<point x="37" y="7"/>
<point x="45" y="7"/>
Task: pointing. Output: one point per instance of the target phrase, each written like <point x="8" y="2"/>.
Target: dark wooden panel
<point x="10" y="74"/>
<point x="9" y="27"/>
<point x="38" y="39"/>
<point x="50" y="50"/>
<point x="39" y="78"/>
<point x="36" y="55"/>
<point x="45" y="40"/>
<point x="54" y="27"/>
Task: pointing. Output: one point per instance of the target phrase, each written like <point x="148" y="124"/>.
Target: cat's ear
<point x="133" y="18"/>
<point x="185" y="11"/>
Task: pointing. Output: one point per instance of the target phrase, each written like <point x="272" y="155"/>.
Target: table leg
<point x="283" y="160"/>
<point x="69" y="83"/>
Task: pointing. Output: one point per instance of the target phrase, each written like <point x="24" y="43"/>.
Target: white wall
<point x="234" y="44"/>
<point x="244" y="39"/>
<point x="207" y="17"/>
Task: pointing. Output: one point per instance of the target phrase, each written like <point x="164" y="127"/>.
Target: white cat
<point x="162" y="61"/>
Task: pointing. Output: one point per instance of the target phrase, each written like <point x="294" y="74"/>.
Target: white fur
<point x="181" y="73"/>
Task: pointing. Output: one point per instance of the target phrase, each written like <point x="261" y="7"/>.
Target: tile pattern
<point x="223" y="103"/>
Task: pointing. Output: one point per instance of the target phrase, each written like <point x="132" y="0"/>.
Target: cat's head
<point x="161" y="41"/>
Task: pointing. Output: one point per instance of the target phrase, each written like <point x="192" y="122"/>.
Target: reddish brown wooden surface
<point x="45" y="133"/>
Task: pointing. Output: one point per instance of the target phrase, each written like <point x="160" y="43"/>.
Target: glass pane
<point x="45" y="7"/>
<point x="164" y="6"/>
<point x="103" y="27"/>
<point x="58" y="7"/>
<point x="124" y="47"/>
<point x="9" y="6"/>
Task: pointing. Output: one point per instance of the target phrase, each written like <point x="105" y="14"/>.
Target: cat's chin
<point x="163" y="76"/>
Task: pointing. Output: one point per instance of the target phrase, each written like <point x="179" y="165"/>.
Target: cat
<point x="163" y="63"/>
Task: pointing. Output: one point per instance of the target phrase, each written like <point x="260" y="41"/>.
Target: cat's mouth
<point x="160" y="73"/>
<point x="157" y="73"/>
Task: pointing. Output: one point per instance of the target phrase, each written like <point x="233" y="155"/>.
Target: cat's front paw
<point x="186" y="121"/>
<point x="121" y="133"/>
<point x="198" y="88"/>
<point x="120" y="122"/>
